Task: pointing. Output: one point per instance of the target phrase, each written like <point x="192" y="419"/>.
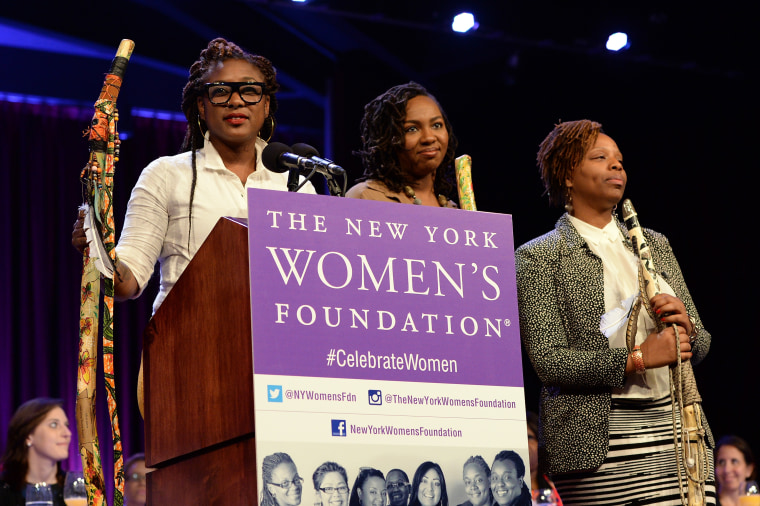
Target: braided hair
<point x="267" y="468"/>
<point x="479" y="461"/>
<point x="218" y="51"/>
<point x="382" y="133"/>
<point x="561" y="152"/>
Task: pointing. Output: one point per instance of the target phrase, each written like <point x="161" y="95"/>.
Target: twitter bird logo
<point x="275" y="393"/>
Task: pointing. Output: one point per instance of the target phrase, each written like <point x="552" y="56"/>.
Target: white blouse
<point x="621" y="287"/>
<point x="156" y="225"/>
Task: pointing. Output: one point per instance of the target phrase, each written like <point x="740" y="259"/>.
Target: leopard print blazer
<point x="560" y="289"/>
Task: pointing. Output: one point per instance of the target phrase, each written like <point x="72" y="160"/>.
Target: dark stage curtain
<point x="42" y="151"/>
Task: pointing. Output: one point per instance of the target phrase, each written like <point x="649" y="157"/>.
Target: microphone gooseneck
<point x="302" y="160"/>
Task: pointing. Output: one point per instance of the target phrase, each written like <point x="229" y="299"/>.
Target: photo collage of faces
<point x="485" y="478"/>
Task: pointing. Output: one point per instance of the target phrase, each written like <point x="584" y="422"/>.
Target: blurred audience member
<point x="734" y="466"/>
<point x="38" y="440"/>
<point x="135" y="491"/>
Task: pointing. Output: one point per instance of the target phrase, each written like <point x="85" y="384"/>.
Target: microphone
<point x="278" y="157"/>
<point x="304" y="160"/>
<point x="311" y="153"/>
<point x="275" y="157"/>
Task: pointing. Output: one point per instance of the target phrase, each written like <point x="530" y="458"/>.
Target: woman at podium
<point x="407" y="149"/>
<point x="229" y="102"/>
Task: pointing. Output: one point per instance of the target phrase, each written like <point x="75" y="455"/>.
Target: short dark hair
<point x="561" y="152"/>
<point x="396" y="470"/>
<point x="513" y="457"/>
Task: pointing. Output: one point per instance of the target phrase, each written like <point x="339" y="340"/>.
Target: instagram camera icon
<point x="375" y="397"/>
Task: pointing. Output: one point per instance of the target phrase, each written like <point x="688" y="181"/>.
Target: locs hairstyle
<point x="561" y="152"/>
<point x="219" y="50"/>
<point x="15" y="460"/>
<point x="382" y="132"/>
<point x="267" y="468"/>
<point x="418" y="475"/>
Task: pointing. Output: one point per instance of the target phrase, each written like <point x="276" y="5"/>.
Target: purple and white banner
<point x="384" y="336"/>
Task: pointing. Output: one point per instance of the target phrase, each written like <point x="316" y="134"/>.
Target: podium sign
<point x="384" y="335"/>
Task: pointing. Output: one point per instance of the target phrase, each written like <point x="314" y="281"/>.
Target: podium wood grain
<point x="199" y="379"/>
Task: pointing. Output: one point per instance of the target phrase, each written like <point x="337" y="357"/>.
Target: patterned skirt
<point x="640" y="467"/>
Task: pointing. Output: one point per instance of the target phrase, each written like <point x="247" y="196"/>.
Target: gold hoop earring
<point x="200" y="127"/>
<point x="271" y="131"/>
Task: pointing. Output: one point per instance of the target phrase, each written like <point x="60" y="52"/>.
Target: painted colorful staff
<point x="692" y="456"/>
<point x="99" y="258"/>
<point x="463" y="169"/>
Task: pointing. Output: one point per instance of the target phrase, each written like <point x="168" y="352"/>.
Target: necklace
<point x="409" y="192"/>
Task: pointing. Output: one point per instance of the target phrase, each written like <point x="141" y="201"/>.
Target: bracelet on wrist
<point x="694" y="329"/>
<point x="638" y="360"/>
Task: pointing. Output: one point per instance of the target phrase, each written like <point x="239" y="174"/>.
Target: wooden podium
<point x="198" y="376"/>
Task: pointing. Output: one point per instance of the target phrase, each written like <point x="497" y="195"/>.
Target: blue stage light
<point x="618" y="41"/>
<point x="464" y="22"/>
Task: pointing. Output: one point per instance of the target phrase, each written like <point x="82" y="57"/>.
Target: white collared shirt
<point x="621" y="287"/>
<point x="157" y="222"/>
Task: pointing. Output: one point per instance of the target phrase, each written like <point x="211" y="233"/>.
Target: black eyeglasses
<point x="395" y="485"/>
<point x="220" y="93"/>
<point x="332" y="490"/>
<point x="297" y="481"/>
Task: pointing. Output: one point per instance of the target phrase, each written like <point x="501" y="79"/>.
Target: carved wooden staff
<point x="97" y="178"/>
<point x="692" y="454"/>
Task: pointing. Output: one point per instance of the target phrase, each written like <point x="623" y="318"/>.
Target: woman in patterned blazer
<point x="606" y="431"/>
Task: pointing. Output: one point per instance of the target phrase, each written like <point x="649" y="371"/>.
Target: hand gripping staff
<point x="463" y="170"/>
<point x="97" y="180"/>
<point x="692" y="455"/>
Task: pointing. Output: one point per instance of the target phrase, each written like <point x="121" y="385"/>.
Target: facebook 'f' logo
<point x="339" y="428"/>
